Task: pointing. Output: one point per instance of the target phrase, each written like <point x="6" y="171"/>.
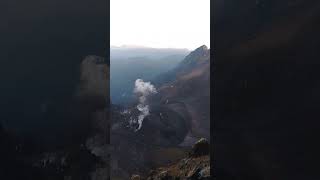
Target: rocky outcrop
<point x="135" y="177"/>
<point x="200" y="148"/>
<point x="195" y="167"/>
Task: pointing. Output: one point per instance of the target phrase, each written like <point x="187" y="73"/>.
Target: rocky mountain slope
<point x="186" y="90"/>
<point x="179" y="116"/>
<point x="195" y="166"/>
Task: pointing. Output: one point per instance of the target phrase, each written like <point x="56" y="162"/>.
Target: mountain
<point x="131" y="63"/>
<point x="193" y="60"/>
<point x="186" y="89"/>
<point x="178" y="117"/>
<point x="124" y="52"/>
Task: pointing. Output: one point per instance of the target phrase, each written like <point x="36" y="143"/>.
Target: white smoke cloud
<point x="143" y="90"/>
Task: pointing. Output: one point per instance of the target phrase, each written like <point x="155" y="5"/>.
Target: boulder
<point x="200" y="148"/>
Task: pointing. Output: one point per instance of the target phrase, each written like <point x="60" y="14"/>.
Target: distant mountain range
<point x="131" y="63"/>
<point x="124" y="52"/>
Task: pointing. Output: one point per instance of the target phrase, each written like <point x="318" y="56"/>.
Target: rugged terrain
<point x="186" y="90"/>
<point x="192" y="167"/>
<point x="179" y="116"/>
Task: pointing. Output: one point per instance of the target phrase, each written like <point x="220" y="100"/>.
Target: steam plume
<point x="143" y="90"/>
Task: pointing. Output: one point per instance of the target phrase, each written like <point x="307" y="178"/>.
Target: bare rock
<point x="135" y="177"/>
<point x="200" y="148"/>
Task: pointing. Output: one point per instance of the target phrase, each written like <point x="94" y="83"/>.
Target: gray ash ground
<point x="162" y="129"/>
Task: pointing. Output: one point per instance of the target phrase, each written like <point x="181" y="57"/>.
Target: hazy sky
<point x="160" y="23"/>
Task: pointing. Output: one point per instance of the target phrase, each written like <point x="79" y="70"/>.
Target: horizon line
<point x="142" y="46"/>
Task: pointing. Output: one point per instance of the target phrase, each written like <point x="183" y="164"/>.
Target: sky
<point x="160" y="23"/>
